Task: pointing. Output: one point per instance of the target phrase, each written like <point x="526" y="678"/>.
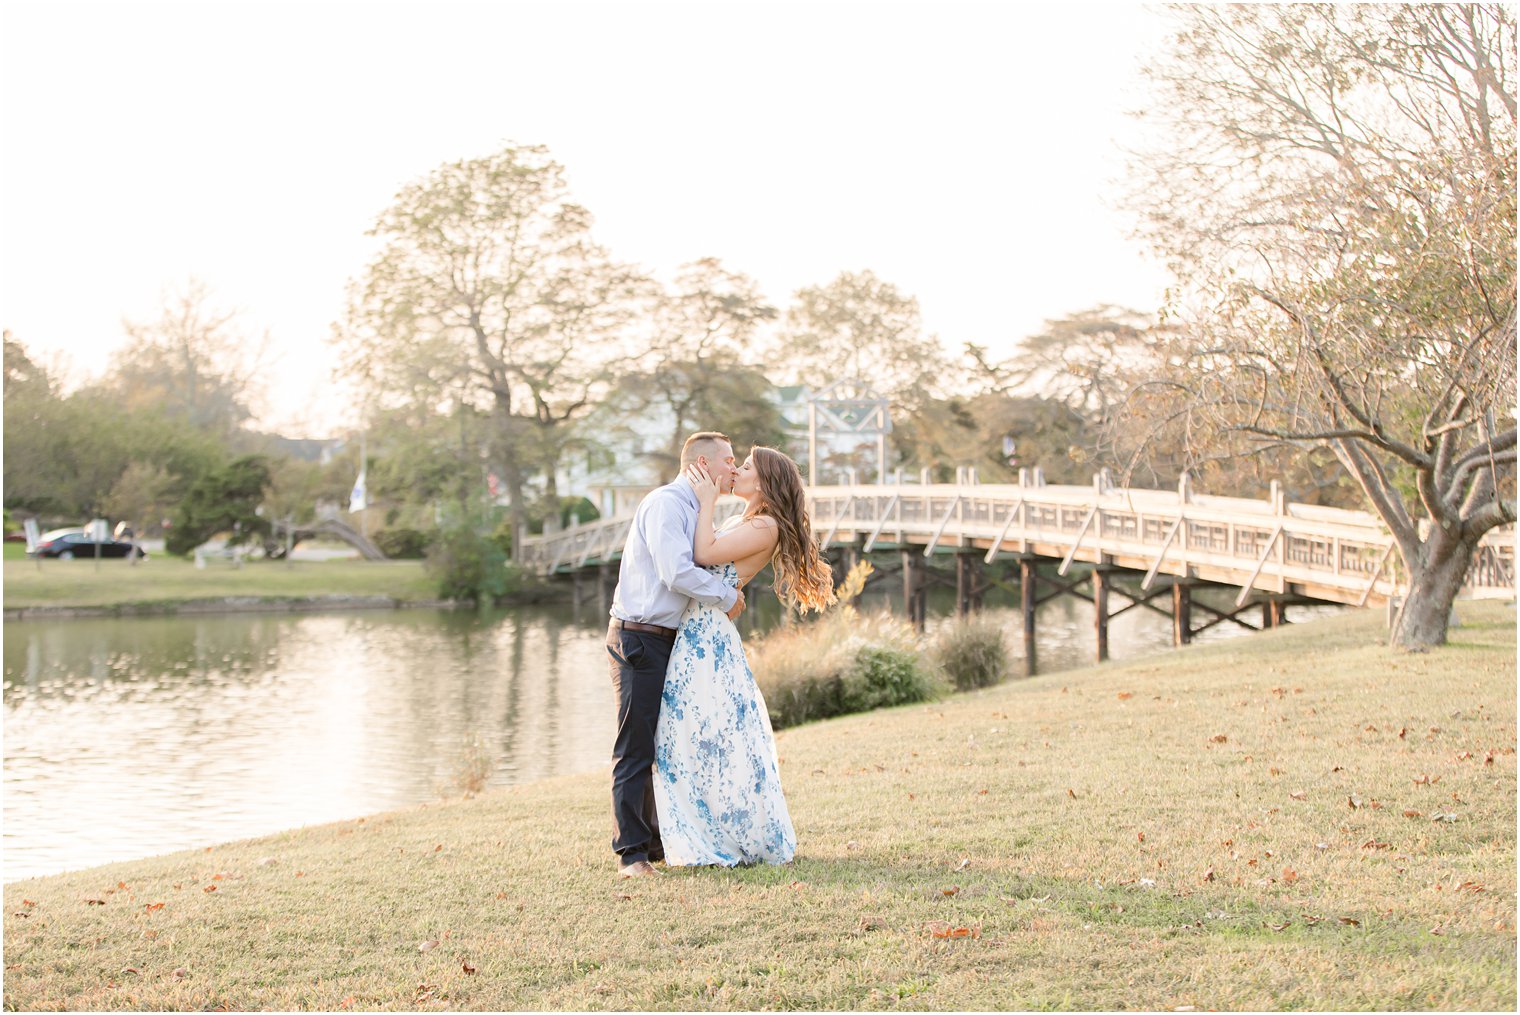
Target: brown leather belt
<point x="668" y="633"/>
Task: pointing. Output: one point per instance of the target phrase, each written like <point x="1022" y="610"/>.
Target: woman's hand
<point x="703" y="484"/>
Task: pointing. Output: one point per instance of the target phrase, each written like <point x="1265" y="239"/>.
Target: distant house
<point x="848" y="422"/>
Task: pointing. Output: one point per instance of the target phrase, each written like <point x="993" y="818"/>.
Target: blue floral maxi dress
<point x="717" y="785"/>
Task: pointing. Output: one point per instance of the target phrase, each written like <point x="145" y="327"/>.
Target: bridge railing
<point x="1345" y="555"/>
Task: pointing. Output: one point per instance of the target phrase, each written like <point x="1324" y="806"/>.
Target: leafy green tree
<point x="222" y="500"/>
<point x="488" y="292"/>
<point x="1334" y="188"/>
<point x="863" y="327"/>
<point x="698" y="373"/>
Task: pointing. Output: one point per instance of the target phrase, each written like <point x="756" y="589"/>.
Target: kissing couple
<point x="694" y="775"/>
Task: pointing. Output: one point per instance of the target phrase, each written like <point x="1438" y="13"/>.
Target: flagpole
<point x="364" y="471"/>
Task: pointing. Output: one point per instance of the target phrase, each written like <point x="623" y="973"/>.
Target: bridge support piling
<point x="1182" y="613"/>
<point x="915" y="596"/>
<point x="1028" y="598"/>
<point x="1100" y="584"/>
<point x="1274" y="613"/>
<point x="606" y="580"/>
<point x="968" y="581"/>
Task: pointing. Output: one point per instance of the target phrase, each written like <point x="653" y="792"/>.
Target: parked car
<point x="66" y="544"/>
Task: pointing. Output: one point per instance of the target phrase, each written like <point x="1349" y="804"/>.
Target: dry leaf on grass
<point x="428" y="945"/>
<point x="950" y="890"/>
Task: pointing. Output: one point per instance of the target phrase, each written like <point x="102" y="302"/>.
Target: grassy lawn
<point x="1296" y="819"/>
<point x="163" y="581"/>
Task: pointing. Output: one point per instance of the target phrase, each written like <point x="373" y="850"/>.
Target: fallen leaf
<point x="346" y="1003"/>
<point x="1300" y="795"/>
<point x="955" y="932"/>
<point x="1464" y="755"/>
<point x="1444" y="817"/>
<point x="1402" y="731"/>
<point x="133" y="970"/>
<point x="1413" y="814"/>
<point x="1289" y="875"/>
<point x="1353" y="802"/>
<point x="94" y="902"/>
<point x="469" y="970"/>
<point x="428" y="945"/>
<point x="180" y="973"/>
<point x="1350" y="921"/>
<point x="1439" y="928"/>
<point x="1140" y="836"/>
<point x="153" y="907"/>
<point x="621" y="896"/>
<point x="872" y="922"/>
<point x="1219" y="738"/>
<point x="209" y="888"/>
<point x="1071" y="793"/>
<point x="1369" y="728"/>
<point x="852" y="844"/>
<point x="950" y="890"/>
<point x="1126" y="695"/>
<point x="1278" y="926"/>
<point x="1208" y="875"/>
<point x="28" y="903"/>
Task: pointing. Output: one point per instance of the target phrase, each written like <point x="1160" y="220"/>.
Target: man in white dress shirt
<point x="656" y="581"/>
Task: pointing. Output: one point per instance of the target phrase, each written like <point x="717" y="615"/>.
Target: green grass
<point x="164" y="582"/>
<point x="1177" y="831"/>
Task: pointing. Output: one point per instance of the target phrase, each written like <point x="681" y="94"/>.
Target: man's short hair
<point x="700" y="444"/>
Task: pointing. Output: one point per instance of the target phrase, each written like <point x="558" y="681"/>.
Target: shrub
<point x="971" y="652"/>
<point x="470" y="566"/>
<point x="402" y="544"/>
<point x="844" y="661"/>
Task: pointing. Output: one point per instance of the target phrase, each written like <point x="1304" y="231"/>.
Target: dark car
<point x="66" y="544"/>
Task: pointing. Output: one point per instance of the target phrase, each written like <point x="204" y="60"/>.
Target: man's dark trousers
<point x="638" y="660"/>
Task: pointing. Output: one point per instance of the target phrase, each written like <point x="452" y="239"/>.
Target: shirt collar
<point x="684" y="491"/>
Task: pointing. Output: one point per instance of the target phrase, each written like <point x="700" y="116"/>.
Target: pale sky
<point x="966" y="152"/>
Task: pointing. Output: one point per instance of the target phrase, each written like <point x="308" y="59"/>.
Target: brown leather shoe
<point x="638" y="869"/>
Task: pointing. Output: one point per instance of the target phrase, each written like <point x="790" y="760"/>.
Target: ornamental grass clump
<point x="971" y="652"/>
<point x="843" y="661"/>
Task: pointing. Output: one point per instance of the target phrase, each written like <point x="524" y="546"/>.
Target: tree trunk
<point x="1433" y="587"/>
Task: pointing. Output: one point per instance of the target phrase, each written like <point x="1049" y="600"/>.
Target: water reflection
<point x="126" y="738"/>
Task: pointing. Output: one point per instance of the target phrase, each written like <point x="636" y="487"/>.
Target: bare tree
<point x="194" y="363"/>
<point x="1334" y="188"/>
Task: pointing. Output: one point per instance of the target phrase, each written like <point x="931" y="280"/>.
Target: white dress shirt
<point x="658" y="578"/>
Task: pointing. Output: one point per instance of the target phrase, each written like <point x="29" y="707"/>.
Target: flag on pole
<point x="357" y="499"/>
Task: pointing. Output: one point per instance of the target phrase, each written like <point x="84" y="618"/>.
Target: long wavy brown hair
<point x="803" y="580"/>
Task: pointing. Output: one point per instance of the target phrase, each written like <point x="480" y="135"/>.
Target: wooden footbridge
<point x="1276" y="553"/>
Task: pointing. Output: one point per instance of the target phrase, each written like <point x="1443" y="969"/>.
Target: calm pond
<point x="127" y="738"/>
